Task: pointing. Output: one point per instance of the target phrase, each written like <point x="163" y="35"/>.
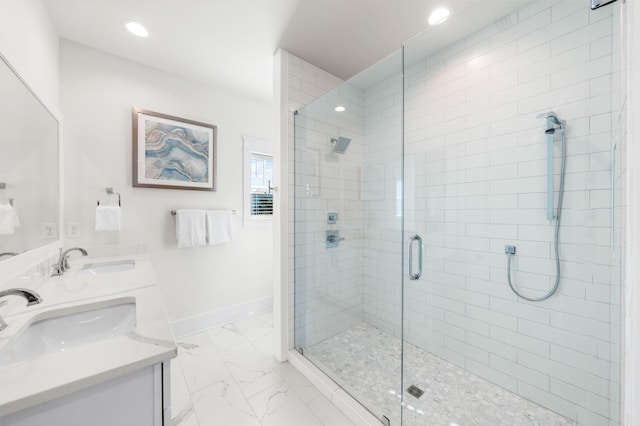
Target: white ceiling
<point x="230" y="43"/>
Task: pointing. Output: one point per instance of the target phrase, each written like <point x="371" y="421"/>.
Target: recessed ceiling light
<point x="438" y="16"/>
<point x="136" y="28"/>
<point x="340" y="108"/>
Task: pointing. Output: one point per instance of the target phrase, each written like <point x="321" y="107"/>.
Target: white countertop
<point x="49" y="376"/>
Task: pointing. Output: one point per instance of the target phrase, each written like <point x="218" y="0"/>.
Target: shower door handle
<point x="417" y="275"/>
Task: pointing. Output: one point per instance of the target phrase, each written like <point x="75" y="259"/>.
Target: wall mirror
<point x="28" y="168"/>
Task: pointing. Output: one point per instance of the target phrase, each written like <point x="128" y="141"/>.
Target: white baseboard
<point x="198" y="323"/>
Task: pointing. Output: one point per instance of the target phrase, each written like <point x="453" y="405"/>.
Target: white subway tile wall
<point x="383" y="206"/>
<point x="475" y="181"/>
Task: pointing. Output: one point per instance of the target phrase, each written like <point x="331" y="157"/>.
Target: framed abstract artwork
<point x="173" y="153"/>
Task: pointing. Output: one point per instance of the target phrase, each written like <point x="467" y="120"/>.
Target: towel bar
<point x="173" y="212"/>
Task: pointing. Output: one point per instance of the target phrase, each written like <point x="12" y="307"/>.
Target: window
<point x="258" y="182"/>
<point x="261" y="188"/>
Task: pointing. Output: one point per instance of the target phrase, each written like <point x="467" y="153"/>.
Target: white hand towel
<point x="219" y="226"/>
<point x="108" y="218"/>
<point x="191" y="228"/>
<point x="9" y="219"/>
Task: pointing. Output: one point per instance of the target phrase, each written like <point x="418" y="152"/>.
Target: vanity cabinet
<point x="140" y="398"/>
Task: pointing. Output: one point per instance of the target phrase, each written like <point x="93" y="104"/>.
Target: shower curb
<point x="351" y="408"/>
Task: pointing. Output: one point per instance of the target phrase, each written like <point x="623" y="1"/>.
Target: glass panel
<point x="348" y="267"/>
<point x="618" y="188"/>
<point x="476" y="182"/>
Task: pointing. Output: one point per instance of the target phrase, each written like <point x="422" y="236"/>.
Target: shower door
<point x="348" y="236"/>
<point x="480" y="171"/>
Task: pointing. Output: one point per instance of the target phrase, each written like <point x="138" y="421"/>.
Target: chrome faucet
<point x="32" y="297"/>
<point x="63" y="260"/>
<point x="9" y="253"/>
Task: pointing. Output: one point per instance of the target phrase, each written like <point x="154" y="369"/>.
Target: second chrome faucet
<point x="30" y="296"/>
<point x="63" y="260"/>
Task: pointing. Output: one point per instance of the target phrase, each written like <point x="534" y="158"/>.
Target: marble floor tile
<point x="227" y="376"/>
<point x="328" y="413"/>
<point x="181" y="405"/>
<point x="201" y="364"/>
<point x="255" y="326"/>
<point x="186" y="417"/>
<point x="296" y="381"/>
<point x="280" y="406"/>
<point x="190" y="420"/>
<point x="264" y="345"/>
<point x="223" y="404"/>
<point x="228" y="339"/>
<point x="251" y="371"/>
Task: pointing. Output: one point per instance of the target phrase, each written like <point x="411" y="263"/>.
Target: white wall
<point x="98" y="91"/>
<point x="29" y="41"/>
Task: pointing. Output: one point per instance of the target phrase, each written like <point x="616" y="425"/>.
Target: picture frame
<point x="172" y="152"/>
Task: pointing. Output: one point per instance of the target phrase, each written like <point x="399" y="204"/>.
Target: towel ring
<point x="110" y="192"/>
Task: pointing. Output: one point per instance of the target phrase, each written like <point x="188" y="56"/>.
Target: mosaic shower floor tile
<point x="366" y="362"/>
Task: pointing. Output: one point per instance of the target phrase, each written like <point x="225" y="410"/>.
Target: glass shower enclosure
<point x="424" y="184"/>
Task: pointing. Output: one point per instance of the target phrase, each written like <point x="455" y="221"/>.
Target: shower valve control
<point x="332" y="218"/>
<point x="510" y="249"/>
<point x="333" y="238"/>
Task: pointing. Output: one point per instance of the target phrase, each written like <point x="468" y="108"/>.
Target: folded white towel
<point x="108" y="218"/>
<point x="9" y="219"/>
<point x="219" y="226"/>
<point x="191" y="228"/>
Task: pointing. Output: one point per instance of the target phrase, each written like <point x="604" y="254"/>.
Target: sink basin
<point x="108" y="267"/>
<point x="67" y="329"/>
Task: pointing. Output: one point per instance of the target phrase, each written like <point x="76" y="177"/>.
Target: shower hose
<point x="555" y="235"/>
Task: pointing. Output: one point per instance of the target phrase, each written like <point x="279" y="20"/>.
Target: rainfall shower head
<point x="339" y="145"/>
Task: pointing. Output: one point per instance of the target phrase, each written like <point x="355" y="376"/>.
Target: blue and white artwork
<point x="174" y="154"/>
